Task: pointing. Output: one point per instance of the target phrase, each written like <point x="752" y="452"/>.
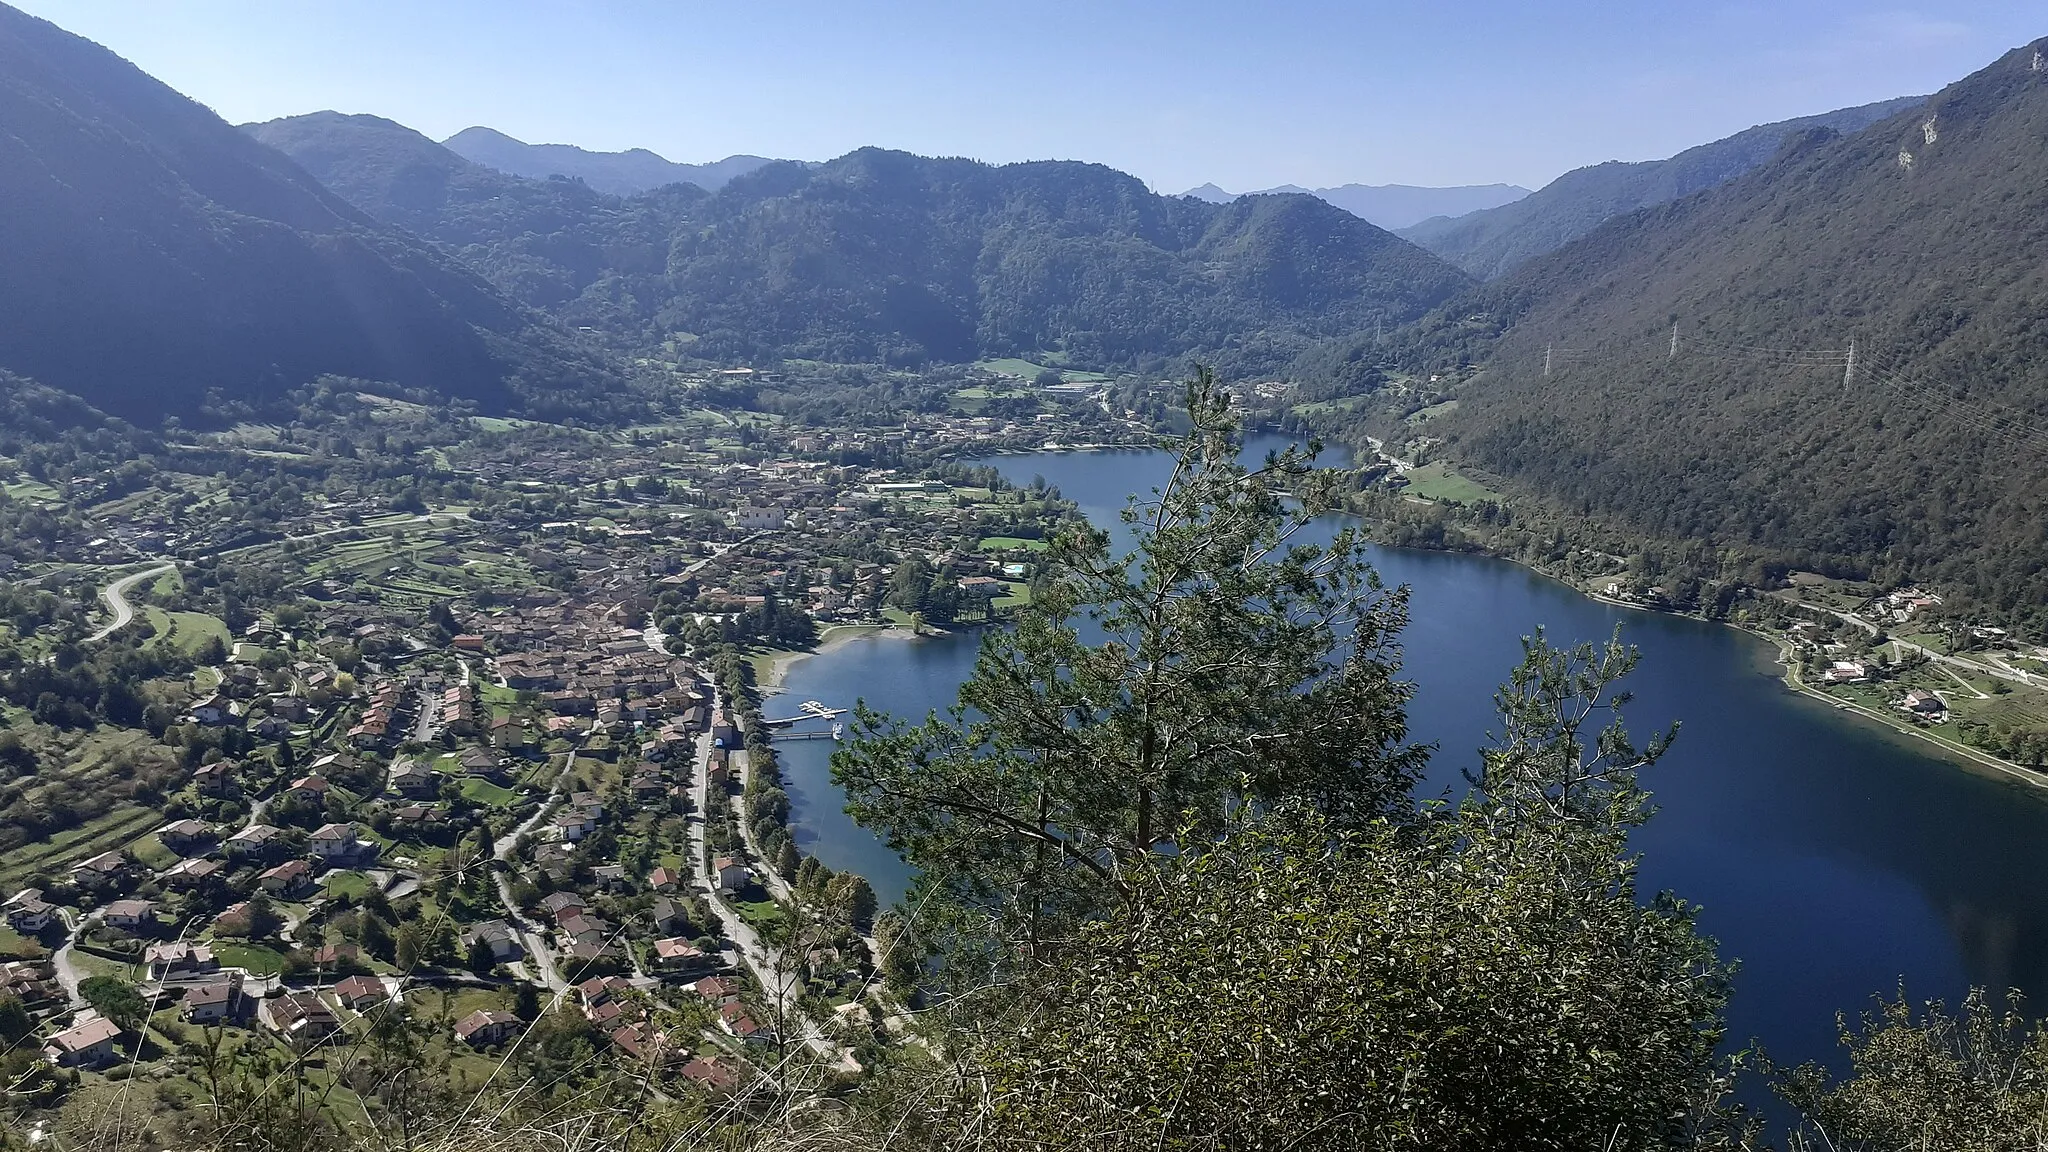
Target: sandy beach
<point x="835" y="637"/>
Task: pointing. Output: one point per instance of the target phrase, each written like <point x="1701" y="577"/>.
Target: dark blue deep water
<point x="1833" y="859"/>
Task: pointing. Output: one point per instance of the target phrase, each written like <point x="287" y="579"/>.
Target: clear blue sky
<point x="1246" y="95"/>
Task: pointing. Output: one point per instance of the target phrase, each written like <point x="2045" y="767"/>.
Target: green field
<point x="34" y="490"/>
<point x="188" y="630"/>
<point x="485" y="792"/>
<point x="257" y="958"/>
<point x="1437" y="481"/>
<point x="1013" y="366"/>
<point x="1007" y="543"/>
<point x="351" y="884"/>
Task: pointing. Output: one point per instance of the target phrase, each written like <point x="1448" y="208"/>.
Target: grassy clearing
<point x="1015" y="366"/>
<point x="32" y="490"/>
<point x="1438" y="481"/>
<point x="1009" y="543"/>
<point x="485" y="792"/>
<point x="259" y="959"/>
<point x="1432" y="412"/>
<point x="349" y="883"/>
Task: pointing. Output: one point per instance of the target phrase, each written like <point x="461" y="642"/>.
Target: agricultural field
<point x="1439" y="481"/>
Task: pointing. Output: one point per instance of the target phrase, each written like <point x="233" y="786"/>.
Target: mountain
<point x="887" y="257"/>
<point x="1390" y="206"/>
<point x="151" y="254"/>
<point x="1922" y="238"/>
<point x="619" y="173"/>
<point x="1492" y="240"/>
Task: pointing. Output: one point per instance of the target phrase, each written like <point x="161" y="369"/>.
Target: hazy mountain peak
<point x="619" y="173"/>
<point x="1390" y="206"/>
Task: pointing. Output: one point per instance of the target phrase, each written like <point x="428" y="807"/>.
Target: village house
<point x="216" y="779"/>
<point x="497" y="936"/>
<point x="485" y="1027"/>
<point x="130" y="915"/>
<point x="733" y="874"/>
<point x="301" y="1019"/>
<point x="214" y="711"/>
<point x="360" y="992"/>
<point x="337" y="843"/>
<point x="332" y="955"/>
<point x="718" y="991"/>
<point x="190" y="872"/>
<point x="87" y="1044"/>
<point x="737" y="1020"/>
<point x="286" y="879"/>
<point x="179" y="958"/>
<point x="409" y="777"/>
<point x="102" y="871"/>
<point x="1924" y="704"/>
<point x="213" y="1001"/>
<point x="254" y="841"/>
<point x="1847" y="672"/>
<point x="676" y="953"/>
<point x="573" y="825"/>
<point x="181" y="836"/>
<point x="28" y="913"/>
<point x="312" y="789"/>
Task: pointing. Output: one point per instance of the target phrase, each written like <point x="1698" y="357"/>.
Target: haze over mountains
<point x="1391" y="206"/>
<point x="885" y="256"/>
<point x="1920" y="239"/>
<point x="619" y="173"/>
<point x="1493" y="239"/>
<point x="151" y="254"/>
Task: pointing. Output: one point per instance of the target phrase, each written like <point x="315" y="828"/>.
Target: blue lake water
<point x="1833" y="859"/>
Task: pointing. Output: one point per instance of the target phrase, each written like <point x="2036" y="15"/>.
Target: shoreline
<point x="830" y="640"/>
<point x="1966" y="756"/>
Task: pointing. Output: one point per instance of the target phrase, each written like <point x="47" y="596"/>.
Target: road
<point x="115" y="597"/>
<point x="776" y="976"/>
<point x="68" y="975"/>
<point x="540" y="959"/>
<point x="2014" y="675"/>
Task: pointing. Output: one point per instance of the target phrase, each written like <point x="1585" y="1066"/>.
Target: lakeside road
<point x="115" y="597"/>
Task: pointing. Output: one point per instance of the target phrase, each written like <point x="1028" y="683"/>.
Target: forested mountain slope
<point x="1923" y="239"/>
<point x="1491" y="241"/>
<point x="151" y="254"/>
<point x="619" y="173"/>
<point x="885" y="256"/>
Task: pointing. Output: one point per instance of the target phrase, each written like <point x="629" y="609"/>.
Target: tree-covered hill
<point x="1923" y="239"/>
<point x="151" y="254"/>
<point x="887" y="257"/>
<point x="1491" y="241"/>
<point x="619" y="173"/>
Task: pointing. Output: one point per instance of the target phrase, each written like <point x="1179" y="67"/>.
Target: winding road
<point x="115" y="596"/>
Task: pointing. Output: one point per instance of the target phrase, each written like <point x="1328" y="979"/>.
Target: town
<point x="412" y="720"/>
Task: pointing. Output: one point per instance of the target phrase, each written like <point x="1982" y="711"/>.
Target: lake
<point x="1832" y="858"/>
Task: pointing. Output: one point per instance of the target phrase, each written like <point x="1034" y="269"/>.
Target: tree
<point x="1974" y="1080"/>
<point x="114" y="998"/>
<point x="1475" y="977"/>
<point x="1237" y="666"/>
<point x="480" y="960"/>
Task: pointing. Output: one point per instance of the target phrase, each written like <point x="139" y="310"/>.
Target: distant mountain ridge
<point x="619" y="173"/>
<point x="1389" y="206"/>
<point x="1490" y="241"/>
<point x="153" y="259"/>
<point x="882" y="256"/>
